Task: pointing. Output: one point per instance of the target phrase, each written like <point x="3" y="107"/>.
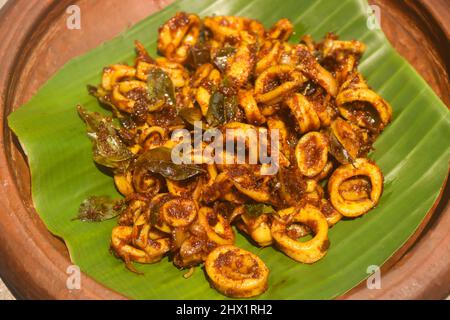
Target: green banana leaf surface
<point x="413" y="153"/>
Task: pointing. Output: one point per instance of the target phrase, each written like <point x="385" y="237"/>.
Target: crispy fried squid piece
<point x="150" y="137"/>
<point x="277" y="82"/>
<point x="231" y="29"/>
<point x="316" y="199"/>
<point x="179" y="212"/>
<point x="205" y="79"/>
<point x="248" y="180"/>
<point x="177" y="35"/>
<point x="362" y="106"/>
<point x="257" y="227"/>
<point x="312" y="153"/>
<point x="193" y="251"/>
<point x="121" y="244"/>
<point x="281" y="30"/>
<point x="217" y="228"/>
<point x="355" y="206"/>
<point x="116" y="73"/>
<point x="124" y="183"/>
<point x="309" y="66"/>
<point x="274" y="123"/>
<point x="347" y="141"/>
<point x="241" y="64"/>
<point x="305" y="252"/>
<point x="236" y="273"/>
<point x="176" y="72"/>
<point x="334" y="47"/>
<point x="303" y="111"/>
<point x="248" y="103"/>
<point x="268" y="55"/>
<point x="122" y="98"/>
<point x="145" y="182"/>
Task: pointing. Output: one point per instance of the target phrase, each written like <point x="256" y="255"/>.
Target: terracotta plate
<point x="34" y="46"/>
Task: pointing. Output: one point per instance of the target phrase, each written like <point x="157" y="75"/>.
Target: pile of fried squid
<point x="231" y="72"/>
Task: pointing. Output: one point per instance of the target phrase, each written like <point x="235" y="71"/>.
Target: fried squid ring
<point x="241" y="64"/>
<point x="281" y="30"/>
<point x="152" y="137"/>
<point x="275" y="83"/>
<point x="176" y="72"/>
<point x="124" y="183"/>
<point x="248" y="103"/>
<point x="179" y="212"/>
<point x="185" y="188"/>
<point x="217" y="228"/>
<point x="115" y="73"/>
<point x="145" y="182"/>
<point x="332" y="47"/>
<point x="360" y="167"/>
<point x="268" y="55"/>
<point x="325" y="172"/>
<point x="236" y="273"/>
<point x="348" y="136"/>
<point x="309" y="66"/>
<point x="305" y="252"/>
<point x="230" y="29"/>
<point x="119" y="98"/>
<point x="258" y="228"/>
<point x="304" y="113"/>
<point x="312" y="153"/>
<point x="355" y="101"/>
<point x="256" y="189"/>
<point x="205" y="78"/>
<point x="192" y="252"/>
<point x="331" y="215"/>
<point x="177" y="35"/>
<point x="121" y="239"/>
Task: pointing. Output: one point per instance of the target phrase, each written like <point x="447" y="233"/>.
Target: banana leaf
<point x="413" y="153"/>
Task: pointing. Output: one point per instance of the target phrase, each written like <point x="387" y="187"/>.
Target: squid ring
<point x="179" y="212"/>
<point x="356" y="90"/>
<point x="267" y="91"/>
<point x="303" y="111"/>
<point x="309" y="251"/>
<point x="177" y="35"/>
<point x="123" y="182"/>
<point x="236" y="273"/>
<point x="153" y="251"/>
<point x="111" y="75"/>
<point x="122" y="102"/>
<point x="248" y="103"/>
<point x="216" y="227"/>
<point x="258" y="228"/>
<point x="355" y="208"/>
<point x="312" y="154"/>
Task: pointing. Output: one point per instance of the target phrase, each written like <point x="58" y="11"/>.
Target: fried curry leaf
<point x="198" y="55"/>
<point x="108" y="148"/>
<point x="97" y="209"/>
<point x="222" y="109"/>
<point x="222" y="56"/>
<point x="337" y="150"/>
<point x="160" y="88"/>
<point x="257" y="209"/>
<point x="190" y="115"/>
<point x="159" y="160"/>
